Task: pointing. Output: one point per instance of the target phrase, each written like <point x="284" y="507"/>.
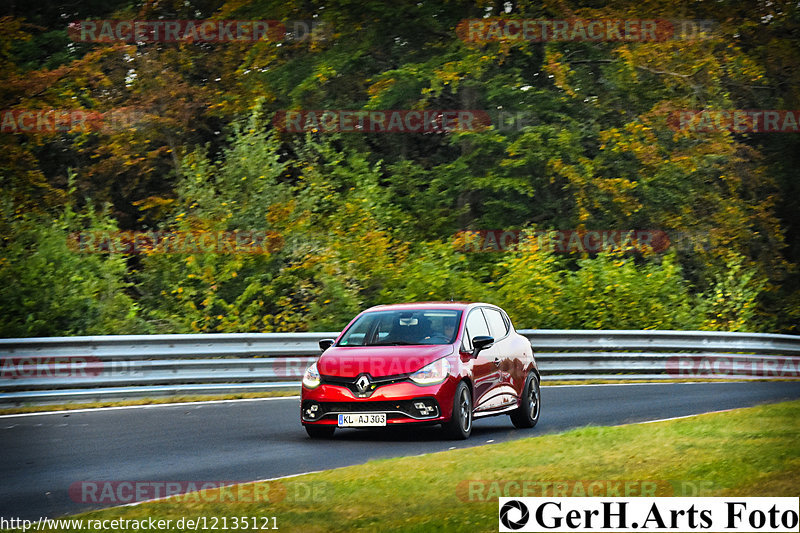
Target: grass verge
<point x="147" y="401"/>
<point x="746" y="452"/>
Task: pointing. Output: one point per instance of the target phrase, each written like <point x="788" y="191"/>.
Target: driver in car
<point x="448" y="329"/>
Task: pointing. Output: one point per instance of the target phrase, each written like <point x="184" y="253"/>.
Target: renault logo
<point x="362" y="383"/>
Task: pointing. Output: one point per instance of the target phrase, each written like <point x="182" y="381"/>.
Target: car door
<point x="485" y="373"/>
<point x="508" y="373"/>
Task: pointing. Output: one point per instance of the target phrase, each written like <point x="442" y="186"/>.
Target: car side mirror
<point x="481" y="342"/>
<point x="324" y="344"/>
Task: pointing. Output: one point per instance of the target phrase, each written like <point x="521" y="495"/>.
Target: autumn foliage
<point x="582" y="137"/>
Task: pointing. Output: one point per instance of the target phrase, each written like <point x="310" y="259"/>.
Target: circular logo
<point x="523" y="511"/>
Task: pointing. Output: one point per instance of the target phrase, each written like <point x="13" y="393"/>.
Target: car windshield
<point x="403" y="327"/>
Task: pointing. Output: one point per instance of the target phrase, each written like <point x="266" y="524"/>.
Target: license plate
<point x="359" y="420"/>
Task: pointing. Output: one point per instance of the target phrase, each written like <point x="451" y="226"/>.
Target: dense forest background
<point x="367" y="218"/>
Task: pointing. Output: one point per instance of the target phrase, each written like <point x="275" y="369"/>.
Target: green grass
<point x="746" y="452"/>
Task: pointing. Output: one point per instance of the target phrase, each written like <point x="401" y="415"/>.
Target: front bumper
<point x="403" y="403"/>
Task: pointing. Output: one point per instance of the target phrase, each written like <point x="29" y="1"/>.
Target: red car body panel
<point x="350" y="361"/>
<point x="397" y="391"/>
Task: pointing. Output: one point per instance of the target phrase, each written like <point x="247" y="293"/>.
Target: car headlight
<point x="311" y="377"/>
<point x="433" y="373"/>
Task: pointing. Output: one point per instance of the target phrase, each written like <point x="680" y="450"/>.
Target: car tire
<point x="459" y="427"/>
<point x="527" y="414"/>
<point x="320" y="432"/>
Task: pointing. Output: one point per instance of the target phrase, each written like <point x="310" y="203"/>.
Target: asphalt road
<point x="240" y="441"/>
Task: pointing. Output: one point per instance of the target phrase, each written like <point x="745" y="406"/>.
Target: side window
<point x="497" y="325"/>
<point x="476" y="326"/>
<point x="507" y="320"/>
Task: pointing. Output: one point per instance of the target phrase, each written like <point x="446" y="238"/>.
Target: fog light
<point x="423" y="409"/>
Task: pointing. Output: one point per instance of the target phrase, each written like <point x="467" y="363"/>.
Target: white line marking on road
<point x="684" y="416"/>
<point x="545" y="385"/>
<point x="231" y="485"/>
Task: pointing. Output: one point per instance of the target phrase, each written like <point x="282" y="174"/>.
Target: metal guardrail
<point x="61" y="369"/>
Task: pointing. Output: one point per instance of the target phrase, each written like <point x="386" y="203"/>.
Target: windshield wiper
<point x="395" y="343"/>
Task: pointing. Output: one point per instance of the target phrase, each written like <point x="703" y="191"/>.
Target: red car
<point x="422" y="363"/>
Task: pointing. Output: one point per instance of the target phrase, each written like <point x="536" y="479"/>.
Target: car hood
<point x="378" y="361"/>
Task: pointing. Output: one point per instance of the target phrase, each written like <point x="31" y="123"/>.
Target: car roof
<point x="427" y="305"/>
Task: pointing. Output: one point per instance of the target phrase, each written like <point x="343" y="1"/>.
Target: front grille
<point x="350" y="383"/>
<point x="393" y="410"/>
